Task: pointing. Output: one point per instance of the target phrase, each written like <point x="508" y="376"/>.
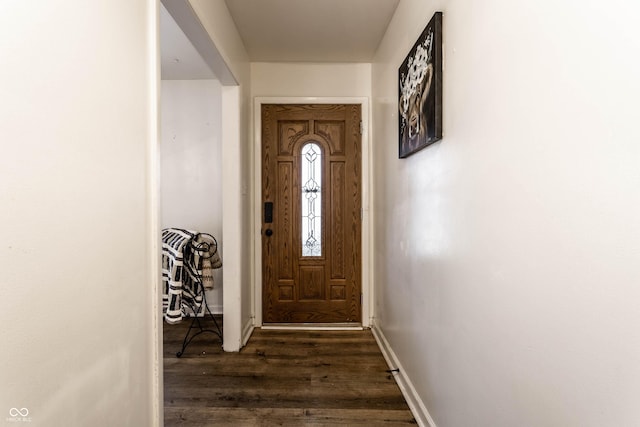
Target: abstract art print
<point x="420" y="91"/>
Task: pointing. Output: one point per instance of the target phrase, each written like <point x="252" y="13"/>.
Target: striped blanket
<point x="184" y="252"/>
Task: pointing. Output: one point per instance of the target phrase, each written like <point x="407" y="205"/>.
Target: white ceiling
<point x="286" y="31"/>
<point x="311" y="30"/>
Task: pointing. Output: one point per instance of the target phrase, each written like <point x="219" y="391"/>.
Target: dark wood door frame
<point x="366" y="306"/>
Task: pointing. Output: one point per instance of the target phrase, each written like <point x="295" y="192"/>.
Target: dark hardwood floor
<point x="291" y="378"/>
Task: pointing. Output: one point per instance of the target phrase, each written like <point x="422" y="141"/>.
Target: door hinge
<point x="361" y="127"/>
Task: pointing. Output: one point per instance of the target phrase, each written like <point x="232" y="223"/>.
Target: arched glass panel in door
<point x="311" y="200"/>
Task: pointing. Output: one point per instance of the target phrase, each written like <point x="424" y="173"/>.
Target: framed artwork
<point x="420" y="91"/>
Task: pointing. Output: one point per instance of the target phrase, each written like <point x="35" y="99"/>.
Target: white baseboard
<point x="416" y="405"/>
<point x="247" y="330"/>
<point x="312" y="327"/>
<point x="216" y="309"/>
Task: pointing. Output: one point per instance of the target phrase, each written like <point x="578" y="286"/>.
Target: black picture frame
<point x="420" y="91"/>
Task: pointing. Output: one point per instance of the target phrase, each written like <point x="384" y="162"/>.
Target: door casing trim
<point x="367" y="285"/>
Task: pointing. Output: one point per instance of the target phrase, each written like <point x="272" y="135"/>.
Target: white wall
<point x="79" y="266"/>
<point x="508" y="254"/>
<point x="191" y="172"/>
<point x="307" y="80"/>
<point x="236" y="172"/>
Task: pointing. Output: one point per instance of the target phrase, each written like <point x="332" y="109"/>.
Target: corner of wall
<point x="417" y="406"/>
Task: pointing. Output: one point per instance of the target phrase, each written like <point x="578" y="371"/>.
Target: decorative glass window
<point x="311" y="171"/>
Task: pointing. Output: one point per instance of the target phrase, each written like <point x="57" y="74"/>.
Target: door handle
<point x="268" y="232"/>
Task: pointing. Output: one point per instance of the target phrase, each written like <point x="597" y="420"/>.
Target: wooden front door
<point x="311" y="219"/>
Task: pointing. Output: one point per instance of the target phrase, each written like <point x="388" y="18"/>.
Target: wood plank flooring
<point x="281" y="378"/>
